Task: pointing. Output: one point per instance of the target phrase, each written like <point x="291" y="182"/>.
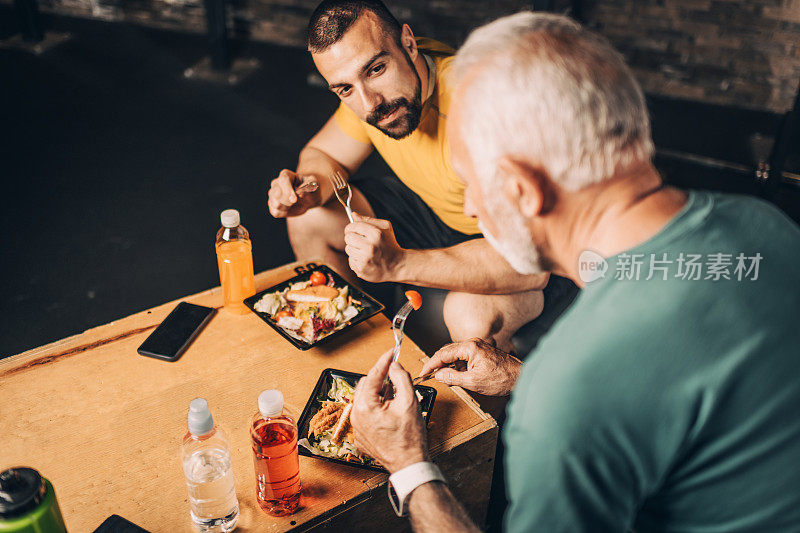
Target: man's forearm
<point x="473" y="266"/>
<point x="433" y="508"/>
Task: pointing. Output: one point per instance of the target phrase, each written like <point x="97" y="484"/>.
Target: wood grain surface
<point x="105" y="424"/>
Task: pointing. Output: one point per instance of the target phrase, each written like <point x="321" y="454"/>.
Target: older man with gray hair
<point x="666" y="398"/>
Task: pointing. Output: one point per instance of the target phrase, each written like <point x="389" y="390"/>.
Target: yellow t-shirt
<point x="422" y="160"/>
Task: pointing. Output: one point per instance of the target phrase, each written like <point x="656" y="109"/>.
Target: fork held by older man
<point x="398" y="323"/>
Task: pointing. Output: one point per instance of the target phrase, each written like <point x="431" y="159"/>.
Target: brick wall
<point x="732" y="52"/>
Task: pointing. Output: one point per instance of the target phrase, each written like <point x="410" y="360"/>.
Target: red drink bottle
<point x="274" y="436"/>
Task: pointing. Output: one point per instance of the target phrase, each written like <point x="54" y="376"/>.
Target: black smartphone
<point x="117" y="524"/>
<point x="176" y="332"/>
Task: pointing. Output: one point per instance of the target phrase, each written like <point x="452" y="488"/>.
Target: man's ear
<point x="525" y="186"/>
<point x="408" y="41"/>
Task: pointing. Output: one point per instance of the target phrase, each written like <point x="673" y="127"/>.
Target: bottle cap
<point x="230" y="218"/>
<point x="200" y="420"/>
<point x="21" y="490"/>
<point x="270" y="403"/>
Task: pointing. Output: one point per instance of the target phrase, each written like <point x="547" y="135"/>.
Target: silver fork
<point x="419" y="379"/>
<point x="309" y="185"/>
<point x="342" y="191"/>
<point x="425" y="377"/>
<point x="398" y="323"/>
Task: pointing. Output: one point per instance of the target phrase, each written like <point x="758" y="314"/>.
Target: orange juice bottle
<point x="235" y="261"/>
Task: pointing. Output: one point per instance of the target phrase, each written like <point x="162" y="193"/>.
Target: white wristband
<point x="403" y="482"/>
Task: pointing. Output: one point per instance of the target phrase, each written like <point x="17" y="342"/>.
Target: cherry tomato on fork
<point x="318" y="278"/>
<point x="415" y="299"/>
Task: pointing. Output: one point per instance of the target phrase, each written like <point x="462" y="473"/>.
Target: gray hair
<point x="550" y="92"/>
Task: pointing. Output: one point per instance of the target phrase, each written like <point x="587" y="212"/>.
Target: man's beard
<point x="406" y="122"/>
<point x="516" y="244"/>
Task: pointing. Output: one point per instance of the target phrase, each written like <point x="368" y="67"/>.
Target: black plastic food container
<point x="371" y="306"/>
<point x="320" y="394"/>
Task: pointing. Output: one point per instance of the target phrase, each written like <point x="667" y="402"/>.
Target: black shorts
<point x="415" y="224"/>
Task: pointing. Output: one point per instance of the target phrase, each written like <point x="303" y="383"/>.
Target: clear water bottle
<point x="209" y="474"/>
<point x="235" y="262"/>
<point x="274" y="436"/>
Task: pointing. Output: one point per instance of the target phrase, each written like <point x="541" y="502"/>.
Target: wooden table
<point x="105" y="424"/>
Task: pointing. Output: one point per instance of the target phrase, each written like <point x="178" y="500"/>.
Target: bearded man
<point x="395" y="95"/>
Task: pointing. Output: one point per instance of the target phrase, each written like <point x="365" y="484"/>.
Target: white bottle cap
<point x="230" y="218"/>
<point x="200" y="420"/>
<point x="270" y="403"/>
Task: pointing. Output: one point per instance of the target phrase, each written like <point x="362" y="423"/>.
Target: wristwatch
<point x="403" y="482"/>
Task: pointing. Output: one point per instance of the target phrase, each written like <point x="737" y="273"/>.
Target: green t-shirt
<point x="669" y="405"/>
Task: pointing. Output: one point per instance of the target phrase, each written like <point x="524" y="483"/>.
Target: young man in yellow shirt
<point x="395" y="96"/>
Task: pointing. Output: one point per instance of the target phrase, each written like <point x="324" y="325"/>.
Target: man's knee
<point x="306" y="223"/>
<point x="492" y="318"/>
<point x="465" y="319"/>
<point x="315" y="227"/>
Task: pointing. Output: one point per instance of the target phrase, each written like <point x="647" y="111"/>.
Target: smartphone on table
<point x="176" y="332"/>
